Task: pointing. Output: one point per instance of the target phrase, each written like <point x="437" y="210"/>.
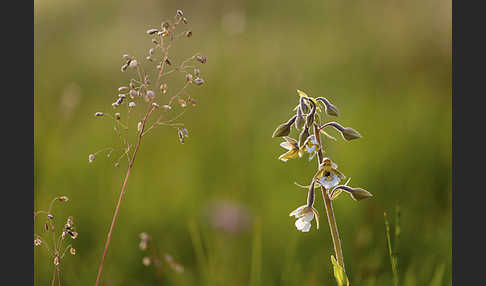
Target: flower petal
<point x="329" y="182"/>
<point x="302" y="225"/>
<point x="297" y="211"/>
<point x="307" y="227"/>
<point x="286" y="145"/>
<point x="338" y="173"/>
<point x="289" y="155"/>
<point x="308" y="216"/>
<point x="310" y="149"/>
<point x="291" y="140"/>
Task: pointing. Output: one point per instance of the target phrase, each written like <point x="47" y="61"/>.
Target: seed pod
<point x="124" y="67"/>
<point x="165" y="25"/>
<point x="123" y="89"/>
<point x="50" y="216"/>
<point x="99" y="114"/>
<point x="119" y="101"/>
<point x="180" y="13"/>
<point x="188" y="34"/>
<point x="303" y="136"/>
<point x="72" y="251"/>
<point x="56" y="260"/>
<point x="182" y="102"/>
<point x="168" y="61"/>
<point x="155" y="42"/>
<point x="139" y="126"/>
<point x="184" y="20"/>
<point x="46" y="226"/>
<point x="121" y="95"/>
<point x="63" y="199"/>
<point x="117" y="116"/>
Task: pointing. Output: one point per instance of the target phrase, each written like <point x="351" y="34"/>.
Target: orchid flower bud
<point x="348" y="133"/>
<point x="284" y="129"/>
<point x="330" y="108"/>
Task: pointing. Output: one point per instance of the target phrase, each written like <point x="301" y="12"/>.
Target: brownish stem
<point x="53" y="276"/>
<point x="329" y="211"/>
<point x="333" y="226"/>
<point x="58" y="275"/>
<point x="122" y="193"/>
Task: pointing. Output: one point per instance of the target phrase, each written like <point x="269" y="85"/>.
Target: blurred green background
<point x="385" y="64"/>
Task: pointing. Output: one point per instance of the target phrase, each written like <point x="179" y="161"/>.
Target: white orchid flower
<point x="328" y="175"/>
<point x="305" y="215"/>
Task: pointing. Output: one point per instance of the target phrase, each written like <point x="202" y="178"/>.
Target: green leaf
<point x="339" y="274"/>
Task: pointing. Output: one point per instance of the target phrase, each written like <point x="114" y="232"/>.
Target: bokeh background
<point x="219" y="203"/>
